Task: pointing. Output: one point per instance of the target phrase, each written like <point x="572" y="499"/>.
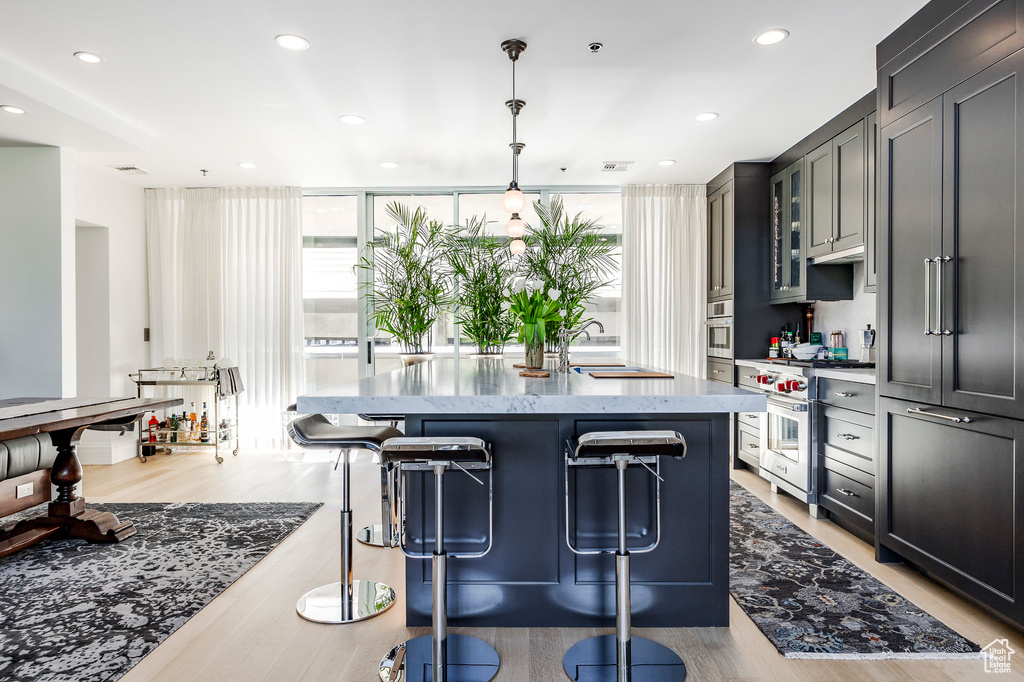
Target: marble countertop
<point x="495" y="387"/>
<point x="859" y="375"/>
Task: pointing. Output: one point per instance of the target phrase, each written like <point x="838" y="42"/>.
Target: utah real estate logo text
<point x="997" y="656"/>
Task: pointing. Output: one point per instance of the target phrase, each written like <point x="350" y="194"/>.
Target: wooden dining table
<point x="65" y="421"/>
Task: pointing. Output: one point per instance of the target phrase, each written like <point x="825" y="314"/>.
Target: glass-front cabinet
<point x="788" y="267"/>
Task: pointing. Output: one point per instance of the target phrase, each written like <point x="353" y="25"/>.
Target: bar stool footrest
<point x="594" y="660"/>
<point x="323" y="605"/>
<point x="469" y="660"/>
<point x="374" y="536"/>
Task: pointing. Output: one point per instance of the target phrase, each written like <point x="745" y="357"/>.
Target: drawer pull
<point x="844" y="394"/>
<point x="718" y="371"/>
<point x="847" y="436"/>
<point x="752" y="446"/>
<point x="958" y="420"/>
<point x="749" y="376"/>
<point x="848" y="493"/>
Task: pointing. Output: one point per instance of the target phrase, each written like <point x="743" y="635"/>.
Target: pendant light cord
<point x="515" y="140"/>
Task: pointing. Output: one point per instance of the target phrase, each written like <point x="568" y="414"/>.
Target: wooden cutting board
<point x="535" y="373"/>
<point x="631" y="375"/>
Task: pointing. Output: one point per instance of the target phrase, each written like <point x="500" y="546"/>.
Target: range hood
<point x="851" y="255"/>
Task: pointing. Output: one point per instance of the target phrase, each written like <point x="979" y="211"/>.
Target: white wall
<point x="37" y="272"/>
<point x="120" y="208"/>
<point x="92" y="272"/>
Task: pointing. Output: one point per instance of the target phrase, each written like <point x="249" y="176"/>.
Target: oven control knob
<point x="784" y="387"/>
<point x="769" y="379"/>
<point x="759" y="378"/>
<point x="799" y="385"/>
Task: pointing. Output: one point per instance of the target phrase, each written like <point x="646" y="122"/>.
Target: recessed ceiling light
<point x="353" y="119"/>
<point x="706" y="116"/>
<point x="11" y="109"/>
<point x="292" y="42"/>
<point x="246" y="164"/>
<point x="88" y="57"/>
<point x="772" y="36"/>
<point x="667" y="162"/>
<point x="388" y="164"/>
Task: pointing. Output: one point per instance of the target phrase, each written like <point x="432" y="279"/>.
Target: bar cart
<point x="225" y="385"/>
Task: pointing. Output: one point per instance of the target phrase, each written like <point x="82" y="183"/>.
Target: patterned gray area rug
<point x="812" y="603"/>
<point x="70" y="610"/>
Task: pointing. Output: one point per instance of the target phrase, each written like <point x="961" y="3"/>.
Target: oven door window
<point x="784" y="435"/>
<point x="720" y="337"/>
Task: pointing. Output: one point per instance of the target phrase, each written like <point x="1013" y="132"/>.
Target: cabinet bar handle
<point x="928" y="331"/>
<point x="749" y="376"/>
<point x="848" y="493"/>
<point x="958" y="420"/>
<point x="843" y="394"/>
<point x="752" y="446"/>
<point x="939" y="262"/>
<point x="847" y="436"/>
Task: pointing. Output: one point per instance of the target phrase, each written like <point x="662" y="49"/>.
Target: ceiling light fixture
<point x="667" y="162"/>
<point x="388" y="164"/>
<point x="11" y="109"/>
<point x="514" y="201"/>
<point x="246" y="164"/>
<point x="292" y="42"/>
<point x="88" y="57"/>
<point x="353" y="119"/>
<point x="771" y="36"/>
<point x="517" y="246"/>
<point x="706" y="116"/>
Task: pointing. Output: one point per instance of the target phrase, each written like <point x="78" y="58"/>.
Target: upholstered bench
<point x="25" y="461"/>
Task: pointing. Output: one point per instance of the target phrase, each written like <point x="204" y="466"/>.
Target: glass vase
<point x="534" y="354"/>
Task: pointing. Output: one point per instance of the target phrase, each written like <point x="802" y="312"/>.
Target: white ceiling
<point x="192" y="84"/>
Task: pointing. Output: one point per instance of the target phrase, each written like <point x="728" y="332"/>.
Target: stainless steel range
<point x="787" y="447"/>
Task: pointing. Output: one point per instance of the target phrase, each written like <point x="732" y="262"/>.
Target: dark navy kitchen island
<point x="530" y="577"/>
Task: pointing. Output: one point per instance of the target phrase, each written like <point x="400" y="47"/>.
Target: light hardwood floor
<point x="251" y="632"/>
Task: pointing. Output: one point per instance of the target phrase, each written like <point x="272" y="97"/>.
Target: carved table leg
<point x="67" y="515"/>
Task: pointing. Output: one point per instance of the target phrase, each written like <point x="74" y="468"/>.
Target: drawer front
<point x="748" y="446"/>
<point x="847" y="394"/>
<point x="973" y="38"/>
<point x="750" y="419"/>
<point x="786" y="469"/>
<point x="847" y="435"/>
<point x="847" y="493"/>
<point x="746" y="377"/>
<point x="720" y="371"/>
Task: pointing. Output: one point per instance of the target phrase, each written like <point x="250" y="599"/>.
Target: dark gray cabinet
<point x="948" y="498"/>
<point x="910" y="231"/>
<point x="721" y="225"/>
<point x="787" y="249"/>
<point x="870" y="238"/>
<point x="819" y="200"/>
<point x="954" y="244"/>
<point x="837" y="192"/>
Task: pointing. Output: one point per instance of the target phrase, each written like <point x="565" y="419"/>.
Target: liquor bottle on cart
<point x="204" y="427"/>
<point x="193" y="425"/>
<point x="154" y="424"/>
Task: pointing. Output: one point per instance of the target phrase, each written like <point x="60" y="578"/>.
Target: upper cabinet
<point x="837" y="193"/>
<point x="721" y="227"/>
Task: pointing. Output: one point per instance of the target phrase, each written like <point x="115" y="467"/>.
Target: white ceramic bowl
<point x="805" y="351"/>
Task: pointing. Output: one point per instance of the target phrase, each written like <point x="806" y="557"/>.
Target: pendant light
<point x="514" y="200"/>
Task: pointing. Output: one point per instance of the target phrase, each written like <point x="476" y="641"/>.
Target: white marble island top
<point x="495" y="387"/>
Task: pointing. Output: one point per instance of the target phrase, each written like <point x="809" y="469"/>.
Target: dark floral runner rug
<point x="70" y="610"/>
<point x="812" y="603"/>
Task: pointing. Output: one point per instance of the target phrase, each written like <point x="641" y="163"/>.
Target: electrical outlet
<point x="145" y="334"/>
<point x="23" y="490"/>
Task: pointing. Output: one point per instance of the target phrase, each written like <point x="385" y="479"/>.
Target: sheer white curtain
<point x="664" y="231"/>
<point x="225" y="274"/>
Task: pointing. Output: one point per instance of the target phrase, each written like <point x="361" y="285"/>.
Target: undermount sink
<point x="587" y="369"/>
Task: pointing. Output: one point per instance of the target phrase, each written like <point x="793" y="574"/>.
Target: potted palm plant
<point x="484" y="271"/>
<point x="538" y="312"/>
<point x="569" y="255"/>
<point x="410" y="285"/>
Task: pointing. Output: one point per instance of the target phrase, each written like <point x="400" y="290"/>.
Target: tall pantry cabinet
<point x="950" y="257"/>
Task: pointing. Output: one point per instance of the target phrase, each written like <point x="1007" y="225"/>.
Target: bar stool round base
<point x="323" y="605"/>
<point x="594" y="660"/>
<point x="374" y="536"/>
<point x="469" y="660"/>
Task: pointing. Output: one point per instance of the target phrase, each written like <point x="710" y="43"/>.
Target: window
<point x="330" y="290"/>
<point x="490" y="205"/>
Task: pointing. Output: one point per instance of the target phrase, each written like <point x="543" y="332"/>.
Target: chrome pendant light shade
<point x="514" y="200"/>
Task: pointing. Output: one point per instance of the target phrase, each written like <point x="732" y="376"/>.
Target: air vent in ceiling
<point x="617" y="166"/>
<point x="130" y="170"/>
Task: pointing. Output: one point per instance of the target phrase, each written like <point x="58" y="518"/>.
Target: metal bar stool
<point x="348" y="600"/>
<point x="621" y="657"/>
<point x="385" y="533"/>
<point x="439" y="656"/>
